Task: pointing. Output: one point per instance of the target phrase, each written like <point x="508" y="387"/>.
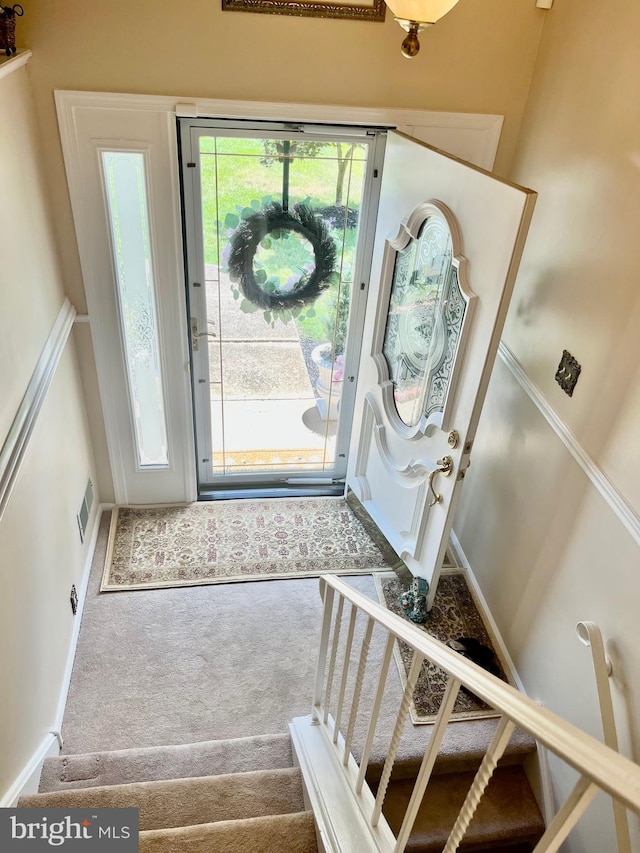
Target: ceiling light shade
<point x="414" y="16"/>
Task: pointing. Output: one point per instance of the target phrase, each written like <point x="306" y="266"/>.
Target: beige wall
<point x="546" y="546"/>
<point x="27" y="310"/>
<point x="40" y="550"/>
<point x="578" y="289"/>
<point x="479" y="59"/>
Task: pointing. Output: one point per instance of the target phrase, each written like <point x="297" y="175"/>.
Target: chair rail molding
<point x="9" y="65"/>
<point x="625" y="513"/>
<point x="17" y="440"/>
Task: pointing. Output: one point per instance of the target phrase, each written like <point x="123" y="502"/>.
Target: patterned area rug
<point x="227" y="541"/>
<point x="454" y="614"/>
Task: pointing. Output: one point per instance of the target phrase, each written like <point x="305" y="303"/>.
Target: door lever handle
<point x="444" y="467"/>
<point x="196" y="335"/>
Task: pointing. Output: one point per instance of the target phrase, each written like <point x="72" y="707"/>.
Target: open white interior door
<point x="448" y="244"/>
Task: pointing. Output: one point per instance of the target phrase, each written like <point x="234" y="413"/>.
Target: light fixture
<point x="415" y="16"/>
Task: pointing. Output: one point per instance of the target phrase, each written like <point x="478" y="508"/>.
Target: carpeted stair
<point x="239" y="796"/>
<point x="208" y="758"/>
<point x="244" y="795"/>
<point x="508" y="818"/>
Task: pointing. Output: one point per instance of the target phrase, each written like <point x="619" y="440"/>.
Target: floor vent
<point x="85" y="510"/>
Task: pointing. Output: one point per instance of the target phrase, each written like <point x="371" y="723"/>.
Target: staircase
<point x="238" y="796"/>
<point x="245" y="796"/>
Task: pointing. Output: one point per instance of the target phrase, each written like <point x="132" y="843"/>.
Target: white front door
<point x="448" y="244"/>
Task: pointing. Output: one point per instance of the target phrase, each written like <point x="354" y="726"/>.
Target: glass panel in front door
<point x="424" y="323"/>
<point x="272" y="354"/>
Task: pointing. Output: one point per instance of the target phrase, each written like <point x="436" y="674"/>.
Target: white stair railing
<point x="590" y="634"/>
<point x="350" y="819"/>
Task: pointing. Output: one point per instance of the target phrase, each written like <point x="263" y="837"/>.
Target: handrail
<point x="606" y="769"/>
<point x="589" y="633"/>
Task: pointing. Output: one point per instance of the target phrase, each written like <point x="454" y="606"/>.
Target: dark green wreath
<point x="252" y="231"/>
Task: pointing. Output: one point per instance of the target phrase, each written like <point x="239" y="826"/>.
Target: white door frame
<point x="374" y="142"/>
<point x="88" y="118"/>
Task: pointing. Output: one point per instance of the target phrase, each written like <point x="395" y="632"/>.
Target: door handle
<point x="196" y="335"/>
<point x="444" y="467"/>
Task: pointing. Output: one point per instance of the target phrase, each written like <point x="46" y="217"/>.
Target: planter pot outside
<point x="328" y="387"/>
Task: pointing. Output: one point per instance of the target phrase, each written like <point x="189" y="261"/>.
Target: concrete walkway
<point x="263" y="406"/>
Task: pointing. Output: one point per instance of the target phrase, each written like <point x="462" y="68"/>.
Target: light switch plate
<point x="568" y="372"/>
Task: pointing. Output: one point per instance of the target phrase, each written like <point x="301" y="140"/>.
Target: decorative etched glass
<point x="124" y="175"/>
<point x="426" y="311"/>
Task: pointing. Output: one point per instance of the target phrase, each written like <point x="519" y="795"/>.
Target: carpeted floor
<point x="225" y="541"/>
<point x="182" y="665"/>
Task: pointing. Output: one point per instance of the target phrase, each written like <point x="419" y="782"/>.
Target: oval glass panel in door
<point x="426" y="311"/>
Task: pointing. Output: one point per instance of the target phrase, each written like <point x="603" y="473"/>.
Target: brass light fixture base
<point x="411" y="46"/>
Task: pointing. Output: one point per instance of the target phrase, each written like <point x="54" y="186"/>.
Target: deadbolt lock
<point x="445" y="466"/>
<point x="453" y="439"/>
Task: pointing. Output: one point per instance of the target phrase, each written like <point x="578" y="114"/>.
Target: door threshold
<point x="272" y="490"/>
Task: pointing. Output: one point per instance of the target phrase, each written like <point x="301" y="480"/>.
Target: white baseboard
<point x="28" y="781"/>
<point x="463" y="562"/>
<point x="544" y="790"/>
<point x="82" y="595"/>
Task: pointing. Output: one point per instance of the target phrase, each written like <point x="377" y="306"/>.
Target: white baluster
<point x="337" y="625"/>
<point x="479" y="784"/>
<point x="568" y="815"/>
<point x="382" y="680"/>
<point x="410" y="686"/>
<point x="357" y="690"/>
<point x="327" y="594"/>
<point x="345" y="672"/>
<point x="424" y="774"/>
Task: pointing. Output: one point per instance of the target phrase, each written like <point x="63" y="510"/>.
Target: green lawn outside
<point x="236" y="182"/>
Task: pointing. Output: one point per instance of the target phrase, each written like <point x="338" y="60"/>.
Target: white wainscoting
<point x="82" y="597"/>
<point x="618" y="503"/>
<point x="28" y="781"/>
<point x="11" y="458"/>
<point x="540" y="775"/>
